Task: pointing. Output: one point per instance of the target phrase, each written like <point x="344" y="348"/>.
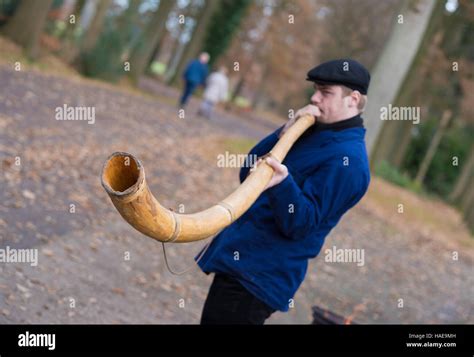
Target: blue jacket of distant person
<point x="196" y="72"/>
<point x="267" y="249"/>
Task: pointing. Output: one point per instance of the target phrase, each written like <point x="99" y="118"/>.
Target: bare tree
<point x="146" y="45"/>
<point x="195" y="44"/>
<point x="430" y="68"/>
<point x="463" y="180"/>
<point x="395" y="61"/>
<point x="26" y="25"/>
<point x="95" y="28"/>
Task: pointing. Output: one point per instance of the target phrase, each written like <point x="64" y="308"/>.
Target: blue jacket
<point x="267" y="249"/>
<point x="196" y="72"/>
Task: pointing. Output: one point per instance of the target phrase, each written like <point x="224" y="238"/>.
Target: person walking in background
<point x="194" y="75"/>
<point x="216" y="91"/>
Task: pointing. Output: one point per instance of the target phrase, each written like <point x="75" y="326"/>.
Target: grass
<point x="242" y="102"/>
<point x="422" y="213"/>
<point x="391" y="174"/>
<point x="237" y="145"/>
<point x="234" y="145"/>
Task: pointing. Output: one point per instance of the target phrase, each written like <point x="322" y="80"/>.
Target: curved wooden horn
<point x="123" y="177"/>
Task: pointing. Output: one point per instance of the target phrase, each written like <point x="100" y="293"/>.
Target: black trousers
<point x="228" y="302"/>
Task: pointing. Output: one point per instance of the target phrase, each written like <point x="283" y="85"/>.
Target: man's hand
<point x="310" y="109"/>
<point x="279" y="174"/>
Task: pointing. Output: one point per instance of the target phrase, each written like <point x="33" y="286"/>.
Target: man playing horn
<point x="261" y="259"/>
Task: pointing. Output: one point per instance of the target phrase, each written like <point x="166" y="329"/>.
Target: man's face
<point x="332" y="103"/>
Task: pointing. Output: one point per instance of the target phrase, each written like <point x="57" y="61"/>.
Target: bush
<point x="7" y="8"/>
<point x="442" y="173"/>
<point x="104" y="61"/>
<point x="158" y="68"/>
<point x="391" y="174"/>
<point x="107" y="59"/>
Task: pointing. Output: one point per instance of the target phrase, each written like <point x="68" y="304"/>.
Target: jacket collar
<point x="354" y="122"/>
<point x="343" y="130"/>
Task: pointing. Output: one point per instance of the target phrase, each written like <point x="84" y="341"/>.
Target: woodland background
<point x="125" y="58"/>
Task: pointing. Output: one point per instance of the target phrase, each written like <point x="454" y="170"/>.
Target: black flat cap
<point x="347" y="72"/>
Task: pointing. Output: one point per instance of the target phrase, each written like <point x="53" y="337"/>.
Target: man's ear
<point x="356" y="97"/>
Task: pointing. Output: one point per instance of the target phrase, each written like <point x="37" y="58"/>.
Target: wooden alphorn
<point x="123" y="177"/>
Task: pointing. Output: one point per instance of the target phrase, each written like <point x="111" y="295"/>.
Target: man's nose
<point x="315" y="99"/>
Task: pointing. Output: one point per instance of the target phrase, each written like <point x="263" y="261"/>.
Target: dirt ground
<point x="94" y="268"/>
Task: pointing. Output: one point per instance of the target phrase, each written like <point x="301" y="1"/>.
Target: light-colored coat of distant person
<point x="216" y="91"/>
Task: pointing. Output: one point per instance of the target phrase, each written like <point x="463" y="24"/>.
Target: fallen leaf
<point x="28" y="194"/>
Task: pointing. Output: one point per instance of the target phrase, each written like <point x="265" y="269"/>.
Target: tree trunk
<point x="69" y="48"/>
<point x="425" y="164"/>
<point x="223" y="25"/>
<point x="174" y="61"/>
<point x="177" y="49"/>
<point x="257" y="99"/>
<point x="197" y="40"/>
<point x="71" y="27"/>
<point x="463" y="179"/>
<point x="143" y="50"/>
<point x="404" y="138"/>
<point x="387" y="135"/>
<point x="173" y="53"/>
<point x="395" y="136"/>
<point x="238" y="88"/>
<point x="26" y="25"/>
<point x="395" y="62"/>
<point x="95" y="28"/>
<point x="87" y="14"/>
<point x="124" y="25"/>
<point x="469" y="210"/>
<point x="156" y="51"/>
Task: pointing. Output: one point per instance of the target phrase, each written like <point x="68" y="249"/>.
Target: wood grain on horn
<point x="123" y="177"/>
